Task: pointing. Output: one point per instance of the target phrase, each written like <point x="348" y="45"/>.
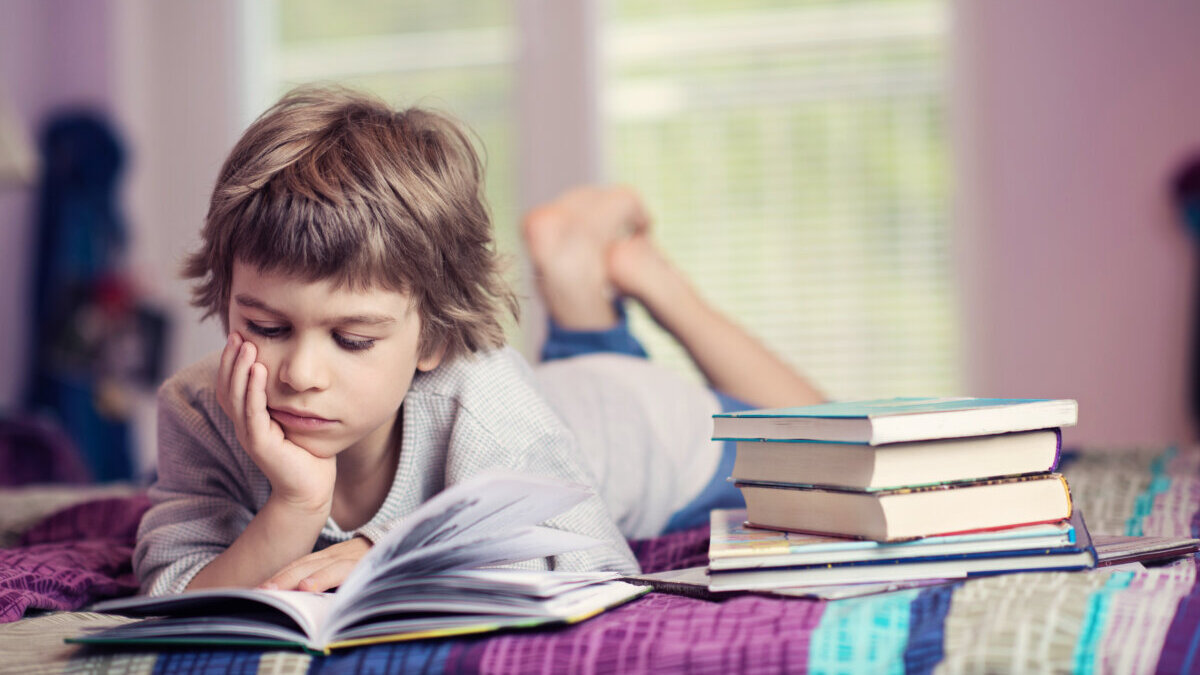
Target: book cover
<point x="909" y="512"/>
<point x="1078" y="555"/>
<point x="735" y="545"/>
<point x="432" y="575"/>
<point x="882" y="421"/>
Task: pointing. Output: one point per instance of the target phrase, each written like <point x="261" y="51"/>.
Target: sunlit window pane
<point x="795" y="156"/>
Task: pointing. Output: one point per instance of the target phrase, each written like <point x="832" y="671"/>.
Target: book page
<point x="490" y="549"/>
<point x="489" y="503"/>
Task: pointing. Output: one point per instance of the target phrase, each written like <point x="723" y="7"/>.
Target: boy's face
<point x="339" y="361"/>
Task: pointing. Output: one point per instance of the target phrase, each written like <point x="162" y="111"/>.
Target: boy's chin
<point x="323" y="448"/>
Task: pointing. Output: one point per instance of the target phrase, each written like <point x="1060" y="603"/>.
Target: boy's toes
<point x="634" y="264"/>
<point x="543" y="232"/>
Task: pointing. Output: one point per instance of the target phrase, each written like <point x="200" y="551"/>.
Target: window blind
<point x="794" y="155"/>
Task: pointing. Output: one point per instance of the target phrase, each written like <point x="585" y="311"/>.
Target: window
<point x="794" y="154"/>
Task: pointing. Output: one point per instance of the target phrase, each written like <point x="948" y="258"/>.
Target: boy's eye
<point x="266" y="331"/>
<point x="353" y="344"/>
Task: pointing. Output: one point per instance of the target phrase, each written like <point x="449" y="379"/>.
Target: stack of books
<point x="896" y="489"/>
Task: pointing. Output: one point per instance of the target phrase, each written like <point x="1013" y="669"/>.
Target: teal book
<point x="896" y="420"/>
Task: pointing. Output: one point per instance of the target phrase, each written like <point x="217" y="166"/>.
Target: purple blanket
<point x="72" y="558"/>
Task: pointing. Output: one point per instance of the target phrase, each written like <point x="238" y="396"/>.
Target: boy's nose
<point x="303" y="369"/>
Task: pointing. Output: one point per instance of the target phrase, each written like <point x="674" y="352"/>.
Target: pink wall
<point x="1077" y="275"/>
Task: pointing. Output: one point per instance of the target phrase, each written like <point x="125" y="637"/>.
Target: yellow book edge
<point x="475" y="629"/>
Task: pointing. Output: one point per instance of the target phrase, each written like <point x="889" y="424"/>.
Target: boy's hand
<point x="322" y="570"/>
<point x="297" y="477"/>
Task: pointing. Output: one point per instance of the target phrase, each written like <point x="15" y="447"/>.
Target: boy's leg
<point x="568" y="240"/>
<point x="733" y="361"/>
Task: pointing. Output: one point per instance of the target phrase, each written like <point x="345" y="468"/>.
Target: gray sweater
<point x="460" y="419"/>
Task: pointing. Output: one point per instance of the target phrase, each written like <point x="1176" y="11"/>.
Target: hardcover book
<point x="907" y="513"/>
<point x="1077" y="555"/>
<point x="733" y="545"/>
<point x="897" y="420"/>
<point x="863" y="466"/>
<point x="422" y="579"/>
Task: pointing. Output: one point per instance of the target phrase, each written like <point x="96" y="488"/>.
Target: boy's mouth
<point x="299" y="420"/>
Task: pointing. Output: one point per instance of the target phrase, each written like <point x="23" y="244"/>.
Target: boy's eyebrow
<point x="369" y="319"/>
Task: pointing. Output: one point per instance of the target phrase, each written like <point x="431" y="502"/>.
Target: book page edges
<point x="489" y="627"/>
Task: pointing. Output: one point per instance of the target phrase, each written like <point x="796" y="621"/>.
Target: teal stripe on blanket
<point x="1098" y="612"/>
<point x="862" y="635"/>
<point x="1095" y="620"/>
<point x="1160" y="482"/>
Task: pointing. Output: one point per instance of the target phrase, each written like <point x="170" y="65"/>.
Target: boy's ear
<point x="428" y="363"/>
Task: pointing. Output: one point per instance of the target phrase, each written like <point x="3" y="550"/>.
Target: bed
<point x="1129" y="619"/>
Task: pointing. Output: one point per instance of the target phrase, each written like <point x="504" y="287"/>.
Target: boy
<point x="348" y="252"/>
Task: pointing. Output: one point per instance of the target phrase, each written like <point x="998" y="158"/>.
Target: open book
<point x="430" y="576"/>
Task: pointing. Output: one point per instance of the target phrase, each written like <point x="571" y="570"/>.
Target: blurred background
<point x="901" y="197"/>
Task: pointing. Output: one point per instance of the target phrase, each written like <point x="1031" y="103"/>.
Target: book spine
<point x="1057" y="450"/>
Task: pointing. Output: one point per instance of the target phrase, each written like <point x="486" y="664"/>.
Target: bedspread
<point x="1132" y="619"/>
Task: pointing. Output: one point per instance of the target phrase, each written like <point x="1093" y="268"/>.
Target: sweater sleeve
<point x="203" y="497"/>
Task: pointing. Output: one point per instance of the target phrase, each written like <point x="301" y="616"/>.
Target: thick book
<point x="432" y="575"/>
<point x="908" y="513"/>
<point x="863" y="466"/>
<point x="1077" y="555"/>
<point x="896" y="420"/>
<point x="732" y="545"/>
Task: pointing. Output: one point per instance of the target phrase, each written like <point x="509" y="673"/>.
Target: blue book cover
<point x="1078" y="555"/>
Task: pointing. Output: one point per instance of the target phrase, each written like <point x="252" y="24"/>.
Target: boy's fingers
<point x="289" y="577"/>
<point x="258" y="421"/>
<point x="225" y="370"/>
<point x="327" y="577"/>
<point x="238" y="378"/>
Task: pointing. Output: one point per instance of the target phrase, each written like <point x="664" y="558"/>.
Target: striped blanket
<point x="1128" y="620"/>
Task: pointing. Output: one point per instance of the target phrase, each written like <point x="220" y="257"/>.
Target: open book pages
<point x="422" y="579"/>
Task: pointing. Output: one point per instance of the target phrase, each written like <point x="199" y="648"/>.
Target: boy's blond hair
<point x="333" y="184"/>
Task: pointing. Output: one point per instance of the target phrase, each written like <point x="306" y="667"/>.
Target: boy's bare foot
<point x="567" y="241"/>
<point x="638" y="269"/>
